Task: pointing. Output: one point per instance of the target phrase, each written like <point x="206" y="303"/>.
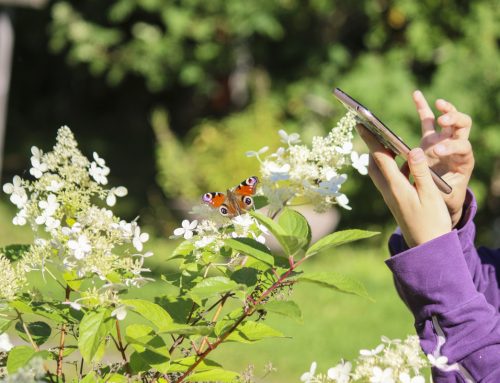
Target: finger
<point x="425" y="113"/>
<point x="453" y="147"/>
<point x="371" y="141"/>
<point x="460" y="122"/>
<point x="421" y="174"/>
<point x="445" y="106"/>
<point x="405" y="169"/>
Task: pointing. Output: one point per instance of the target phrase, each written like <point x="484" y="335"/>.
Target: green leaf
<point x="116" y="378"/>
<point x="91" y="377"/>
<point x="73" y="280"/>
<point x="94" y="328"/>
<point x="209" y="287"/>
<point x="228" y="321"/>
<point x="18" y="357"/>
<point x="149" y="346"/>
<point x="185" y="329"/>
<point x="338" y="238"/>
<point x="249" y="332"/>
<point x="337" y="282"/>
<point x="215" y="375"/>
<point x="183" y="364"/>
<point x="297" y="229"/>
<point x="40" y="308"/>
<point x="289" y="309"/>
<point x="260" y="201"/>
<point x="14" y="252"/>
<point x="4" y="324"/>
<point x="273" y="227"/>
<point x="39" y="331"/>
<point x="184" y="249"/>
<point x="150" y="311"/>
<point x="251" y="247"/>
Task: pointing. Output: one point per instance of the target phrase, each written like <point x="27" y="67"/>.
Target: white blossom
<point x="360" y="162"/>
<point x="5" y="343"/>
<point x="186" y="230"/>
<point x="18" y="195"/>
<point x="252" y="153"/>
<point x="120" y="312"/>
<point x="375" y="351"/>
<point x="38" y="167"/>
<point x="81" y="247"/>
<point x="381" y="376"/>
<point x="139" y="239"/>
<point x="440" y="362"/>
<point x="290" y="139"/>
<point x="119" y="191"/>
<point x="307" y="377"/>
<point x="405" y="378"/>
<point x="340" y="373"/>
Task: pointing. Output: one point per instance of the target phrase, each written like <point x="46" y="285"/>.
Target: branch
<point x="120" y="347"/>
<point x="62" y="338"/>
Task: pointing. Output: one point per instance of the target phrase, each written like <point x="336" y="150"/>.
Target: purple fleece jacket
<point x="453" y="291"/>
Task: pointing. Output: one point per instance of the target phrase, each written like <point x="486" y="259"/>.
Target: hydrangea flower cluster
<point x="392" y="361"/>
<point x="72" y="234"/>
<point x="315" y="173"/>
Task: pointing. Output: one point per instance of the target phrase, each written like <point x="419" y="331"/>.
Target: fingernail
<point x="417" y="155"/>
<point x="445" y="119"/>
<point x="440" y="149"/>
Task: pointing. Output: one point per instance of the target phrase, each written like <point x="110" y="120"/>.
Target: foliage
<point x="227" y="278"/>
<point x="377" y="51"/>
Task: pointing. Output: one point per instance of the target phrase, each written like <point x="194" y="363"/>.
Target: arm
<point x="452" y="318"/>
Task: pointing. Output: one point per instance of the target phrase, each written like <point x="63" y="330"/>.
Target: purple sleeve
<point x="452" y="291"/>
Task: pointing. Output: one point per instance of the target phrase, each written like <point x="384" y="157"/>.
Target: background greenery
<point x="172" y="93"/>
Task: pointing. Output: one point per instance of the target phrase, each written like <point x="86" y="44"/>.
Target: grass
<point x="334" y="325"/>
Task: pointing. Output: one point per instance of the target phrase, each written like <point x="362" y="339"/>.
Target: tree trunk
<point x="6" y="48"/>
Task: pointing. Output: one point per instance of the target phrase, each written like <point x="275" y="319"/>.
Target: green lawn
<point x="335" y="325"/>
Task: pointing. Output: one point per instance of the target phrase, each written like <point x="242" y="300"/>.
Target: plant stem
<point x="121" y="348"/>
<point x="247" y="313"/>
<point x="62" y="338"/>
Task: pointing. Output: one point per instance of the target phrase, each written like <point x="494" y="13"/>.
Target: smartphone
<point x="383" y="134"/>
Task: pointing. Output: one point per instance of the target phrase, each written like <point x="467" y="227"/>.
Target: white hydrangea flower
<point x="186" y="230"/>
<point x="39" y="167"/>
<point x="81" y="247"/>
<point x="346" y="148"/>
<point x="340" y="373"/>
<point x="99" y="174"/>
<point x="375" y="351"/>
<point x="54" y="186"/>
<point x="139" y="239"/>
<point x="381" y="376"/>
<point x="307" y="377"/>
<point x="252" y="153"/>
<point x="120" y="312"/>
<point x="18" y="195"/>
<point x="119" y="191"/>
<point x="21" y="217"/>
<point x="360" y="162"/>
<point x="277" y="172"/>
<point x="405" y="378"/>
<point x="5" y="343"/>
<point x="440" y="362"/>
<point x="290" y="139"/>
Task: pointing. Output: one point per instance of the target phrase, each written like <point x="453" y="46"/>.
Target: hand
<point x="448" y="151"/>
<point x="419" y="209"/>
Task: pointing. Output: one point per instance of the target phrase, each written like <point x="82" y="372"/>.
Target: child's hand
<point x="419" y="209"/>
<point x="448" y="151"/>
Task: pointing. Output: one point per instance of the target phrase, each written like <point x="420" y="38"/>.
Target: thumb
<point x="420" y="171"/>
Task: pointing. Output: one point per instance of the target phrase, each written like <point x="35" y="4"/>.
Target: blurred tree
<point x="199" y="56"/>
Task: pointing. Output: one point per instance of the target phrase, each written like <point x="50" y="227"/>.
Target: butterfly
<point x="236" y="201"/>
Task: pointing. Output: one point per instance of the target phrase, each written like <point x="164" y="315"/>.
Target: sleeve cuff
<point x="433" y="277"/>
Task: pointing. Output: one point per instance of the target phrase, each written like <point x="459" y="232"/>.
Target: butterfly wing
<point x="214" y="199"/>
<point x="243" y="193"/>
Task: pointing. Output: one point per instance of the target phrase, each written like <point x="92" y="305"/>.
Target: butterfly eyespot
<point x="207" y="197"/>
<point x="251" y="181"/>
<point x="248" y="201"/>
<point x="224" y="210"/>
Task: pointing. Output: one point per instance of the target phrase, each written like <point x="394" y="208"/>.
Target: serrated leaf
<point x="297" y="229"/>
<point x="289" y="309"/>
<point x="183" y="364"/>
<point x="185" y="329"/>
<point x="39" y="331"/>
<point x="338" y="238"/>
<point x="149" y="346"/>
<point x="338" y="282"/>
<point x="209" y="287"/>
<point x="20" y="356"/>
<point x="94" y="328"/>
<point x="251" y="247"/>
<point x="215" y="375"/>
<point x="249" y="332"/>
<point x="150" y="311"/>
